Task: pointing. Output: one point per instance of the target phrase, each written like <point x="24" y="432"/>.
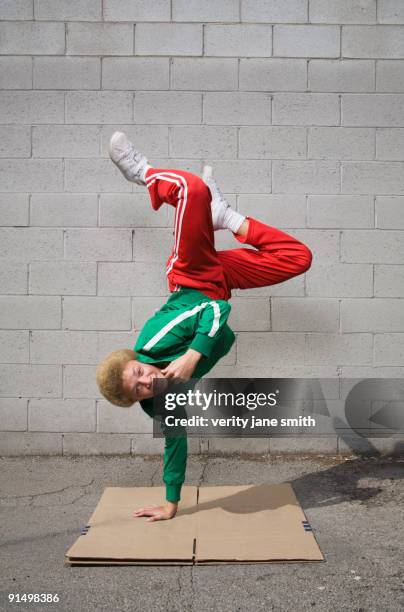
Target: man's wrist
<point x="195" y="355"/>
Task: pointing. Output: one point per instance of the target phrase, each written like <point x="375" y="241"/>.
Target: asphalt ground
<point x="354" y="504"/>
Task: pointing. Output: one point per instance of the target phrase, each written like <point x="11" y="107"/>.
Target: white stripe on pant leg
<point x="180" y="214"/>
<point x="177" y="210"/>
<point x="185" y="315"/>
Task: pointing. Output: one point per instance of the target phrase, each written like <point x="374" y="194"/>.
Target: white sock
<point x="145" y="169"/>
<point x="233" y="219"/>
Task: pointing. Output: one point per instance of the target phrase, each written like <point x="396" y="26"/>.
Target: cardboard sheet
<point x="214" y="525"/>
<point x="115" y="535"/>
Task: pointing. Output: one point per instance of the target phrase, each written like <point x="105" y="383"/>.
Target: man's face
<point x="137" y="379"/>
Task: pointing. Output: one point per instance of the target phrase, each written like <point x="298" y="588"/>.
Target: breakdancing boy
<point x="189" y="334"/>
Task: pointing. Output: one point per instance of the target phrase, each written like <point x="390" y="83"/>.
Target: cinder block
<point x="98" y="313"/>
<point x="250" y="314"/>
<point x="141" y="10"/>
<point x="277" y="210"/>
<point x="152" y="139"/>
<point x="272" y="142"/>
<point x="306" y="109"/>
<point x="203" y="141"/>
<point x="389" y="349"/>
<point x="341" y="143"/>
<point x="31" y="381"/>
<point x="276" y="11"/>
<point x="67" y="73"/>
<point x="62" y="347"/>
<point x="94" y="175"/>
<point x="237" y="108"/>
<point x="16" y="9"/>
<point x="63" y="209"/>
<point x="15" y="141"/>
<point x="96" y="444"/>
<point x="305" y="314"/>
<point x="372" y="246"/>
<point x="61" y="415"/>
<point x="130" y="210"/>
<point x="173" y="107"/>
<point x="32" y="175"/>
<point x="26" y="107"/>
<point x="343" y="11"/>
<point x="390" y="11"/>
<point x="15" y="72"/>
<point x="306" y="40"/>
<point x="14" y="346"/>
<point x="13" y="414"/>
<point x="115" y="419"/>
<point x="373" y="177"/>
<point x="238" y="446"/>
<point x="340" y="280"/>
<point x="340" y="211"/>
<point x="267" y="348"/>
<point x="145" y="444"/>
<point x="23" y="444"/>
<point x="25" y="244"/>
<point x="273" y="74"/>
<point x="324" y="244"/>
<point x="68" y="10"/>
<point x="243" y="176"/>
<point x="99" y="244"/>
<point x="193" y="10"/>
<point x="389" y="280"/>
<point x="152" y="245"/>
<point x="238" y="40"/>
<point x="371" y="372"/>
<point x="168" y="39"/>
<point x="341" y="75"/>
<point x="389" y="212"/>
<point x="14" y="208"/>
<point x="65" y="141"/>
<point x="99" y="39"/>
<point x="135" y="73"/>
<point x="305" y="177"/>
<point x="373" y="41"/>
<point x="373" y="110"/>
<point x="13" y="277"/>
<point x="111" y="341"/>
<point x="390" y="75"/>
<point x="79" y="381"/>
<point x="204" y="74"/>
<point x="310" y="444"/>
<point x="390" y="143"/>
<point x="32" y="312"/>
<point x="372" y="315"/>
<point x="32" y="38"/>
<point x="140" y="279"/>
<point x="99" y="107"/>
<point x="338" y="349"/>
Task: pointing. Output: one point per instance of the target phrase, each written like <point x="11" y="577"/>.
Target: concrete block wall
<point x="299" y="106"/>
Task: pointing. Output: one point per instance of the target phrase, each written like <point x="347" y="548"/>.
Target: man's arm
<point x="175" y="463"/>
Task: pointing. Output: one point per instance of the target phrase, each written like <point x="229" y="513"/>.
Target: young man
<point x="189" y="334"/>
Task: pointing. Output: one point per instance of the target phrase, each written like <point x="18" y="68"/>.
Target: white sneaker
<point x="223" y="216"/>
<point x="130" y="162"/>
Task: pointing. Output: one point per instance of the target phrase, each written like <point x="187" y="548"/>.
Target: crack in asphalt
<point x="33" y="496"/>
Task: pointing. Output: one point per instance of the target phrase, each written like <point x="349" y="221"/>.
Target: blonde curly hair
<point x="109" y="377"/>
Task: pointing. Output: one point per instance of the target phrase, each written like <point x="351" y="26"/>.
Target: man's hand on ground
<point x="183" y="367"/>
<point x="158" y="513"/>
